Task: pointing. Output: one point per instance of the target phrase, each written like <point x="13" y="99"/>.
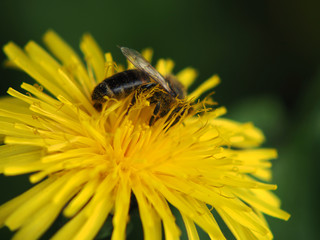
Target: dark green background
<point x="266" y="53"/>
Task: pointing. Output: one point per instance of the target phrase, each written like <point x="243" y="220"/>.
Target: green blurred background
<point x="266" y="53"/>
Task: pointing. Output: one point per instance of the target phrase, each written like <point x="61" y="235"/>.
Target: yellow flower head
<point x="89" y="164"/>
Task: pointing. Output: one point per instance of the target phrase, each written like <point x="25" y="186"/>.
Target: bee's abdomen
<point x="119" y="85"/>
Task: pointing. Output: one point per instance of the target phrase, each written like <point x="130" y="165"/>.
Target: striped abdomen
<point x="119" y="85"/>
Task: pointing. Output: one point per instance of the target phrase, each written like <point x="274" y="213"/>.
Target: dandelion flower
<point x="87" y="164"/>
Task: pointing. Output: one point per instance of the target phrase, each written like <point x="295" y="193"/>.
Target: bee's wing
<point x="142" y="64"/>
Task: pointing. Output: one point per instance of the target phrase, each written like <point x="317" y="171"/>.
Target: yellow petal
<point x="122" y="204"/>
<point x="26" y="64"/>
<point x="187" y="76"/>
<point x="94" y="56"/>
<point x="70" y="59"/>
<point x="9" y="207"/>
<point x="190" y="227"/>
<point x="205" y="86"/>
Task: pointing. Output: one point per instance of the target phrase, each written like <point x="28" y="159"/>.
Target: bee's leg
<point x="177" y="117"/>
<point x="98" y="106"/>
<point x="133" y="101"/>
<point x="155" y="113"/>
<point x="141" y="90"/>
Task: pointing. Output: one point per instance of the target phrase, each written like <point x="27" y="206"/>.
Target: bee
<point x="168" y="90"/>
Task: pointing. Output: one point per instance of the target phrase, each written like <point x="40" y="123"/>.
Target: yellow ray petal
<point x="267" y="196"/>
<point x="71" y="228"/>
<point x="9" y="207"/>
<point x="160" y="204"/>
<point x="187" y="76"/>
<point x="190" y="227"/>
<point x="88" y="221"/>
<point x="260" y="204"/>
<point x="22" y="214"/>
<point x="150" y="219"/>
<point x="122" y="204"/>
<point x="247" y="219"/>
<point x="95" y="220"/>
<point x="161" y="67"/>
<point x="205" y="86"/>
<point x="238" y="230"/>
<point x="24" y="62"/>
<point x="94" y="56"/>
<point x="263" y="174"/>
<point x="25" y="167"/>
<point x="70" y="59"/>
<point x="240" y="135"/>
<point x="41" y="221"/>
<point x="46" y="63"/>
<point x="10" y="103"/>
<point x="165" y="66"/>
<point x="188" y="206"/>
<point x="10" y="129"/>
<point x="109" y="66"/>
<point x="81" y="198"/>
<point x="147" y="53"/>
